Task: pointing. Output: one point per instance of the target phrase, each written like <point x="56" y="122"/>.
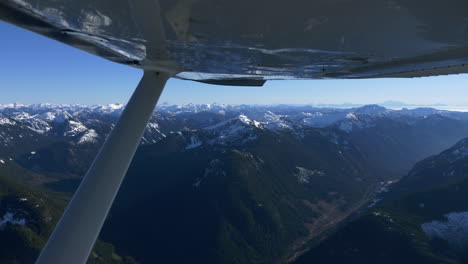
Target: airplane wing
<point x="246" y="42"/>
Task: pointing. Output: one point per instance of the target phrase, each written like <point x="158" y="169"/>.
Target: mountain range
<point x="230" y="184"/>
<point x="424" y="221"/>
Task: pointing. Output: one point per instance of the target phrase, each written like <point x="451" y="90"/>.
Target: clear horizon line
<point x="348" y="105"/>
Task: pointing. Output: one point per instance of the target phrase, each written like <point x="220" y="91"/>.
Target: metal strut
<point x="75" y="234"/>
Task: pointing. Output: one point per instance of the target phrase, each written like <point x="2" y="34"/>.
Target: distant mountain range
<point x="224" y="183"/>
<point x="389" y="104"/>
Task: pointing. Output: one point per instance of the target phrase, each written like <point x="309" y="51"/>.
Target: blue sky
<point x="34" y="69"/>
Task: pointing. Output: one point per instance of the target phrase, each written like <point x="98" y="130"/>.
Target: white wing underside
<point x="246" y="42"/>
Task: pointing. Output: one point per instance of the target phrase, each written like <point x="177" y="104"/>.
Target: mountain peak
<point x="244" y="119"/>
<point x="61" y="117"/>
<point x="371" y="109"/>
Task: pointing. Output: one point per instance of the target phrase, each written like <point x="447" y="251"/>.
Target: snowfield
<point x="454" y="230"/>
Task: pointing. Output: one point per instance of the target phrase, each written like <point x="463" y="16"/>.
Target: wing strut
<point x="76" y="232"/>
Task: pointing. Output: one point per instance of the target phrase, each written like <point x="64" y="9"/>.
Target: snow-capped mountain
<point x="64" y="137"/>
<point x="89" y="123"/>
<point x="28" y="128"/>
<point x="276" y="176"/>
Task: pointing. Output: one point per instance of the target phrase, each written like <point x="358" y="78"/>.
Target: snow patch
<point x="89" y="137"/>
<point x="234" y="131"/>
<point x="194" y="142"/>
<point x="6" y="121"/>
<point x="61" y="117"/>
<point x="459" y="153"/>
<point x="303" y="175"/>
<point x="454" y="230"/>
<point x="244" y="119"/>
<point x="374" y="202"/>
<point x="47" y="116"/>
<point x="383" y="190"/>
<point x="10" y="218"/>
<point x="153" y="125"/>
<point x="351" y="116"/>
<point x="39" y="126"/>
<point x="75" y="128"/>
